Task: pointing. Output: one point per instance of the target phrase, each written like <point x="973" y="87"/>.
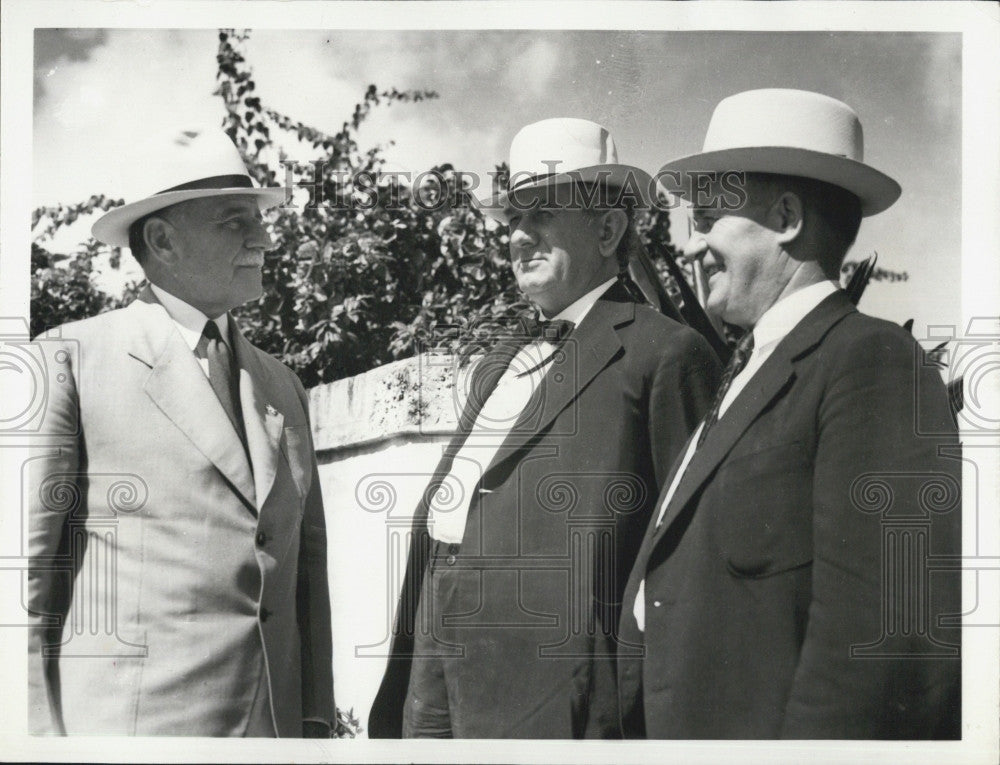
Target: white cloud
<point x="421" y="141"/>
<point x="532" y="67"/>
<point x="94" y="110"/>
<point x="292" y="77"/>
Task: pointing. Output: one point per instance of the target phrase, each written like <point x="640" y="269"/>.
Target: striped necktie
<point x="736" y="364"/>
<point x="222" y="376"/>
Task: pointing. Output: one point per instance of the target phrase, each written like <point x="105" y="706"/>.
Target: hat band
<point x="540" y="177"/>
<point x="215" y="182"/>
<point x="531" y="179"/>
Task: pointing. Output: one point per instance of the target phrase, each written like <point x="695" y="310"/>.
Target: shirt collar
<point x="781" y="318"/>
<point x="189" y="320"/>
<point x="580" y="307"/>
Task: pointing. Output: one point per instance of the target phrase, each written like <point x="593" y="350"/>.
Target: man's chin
<point x="716" y="309"/>
<point x="532" y="288"/>
<point x="248" y="293"/>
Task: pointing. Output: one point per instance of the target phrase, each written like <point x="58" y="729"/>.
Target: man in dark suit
<point x="177" y="580"/>
<point x="784" y="588"/>
<point x="506" y="623"/>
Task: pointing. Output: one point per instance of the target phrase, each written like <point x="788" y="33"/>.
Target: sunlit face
<point x="219" y="245"/>
<point x="555" y="255"/>
<point x="742" y="258"/>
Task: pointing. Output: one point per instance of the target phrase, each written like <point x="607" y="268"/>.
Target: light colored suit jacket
<point x="173" y="588"/>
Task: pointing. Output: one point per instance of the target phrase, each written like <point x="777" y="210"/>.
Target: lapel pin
<point x="271" y="411"/>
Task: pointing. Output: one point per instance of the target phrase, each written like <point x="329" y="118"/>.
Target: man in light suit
<point x="784" y="588"/>
<point x="506" y="623"/>
<point x="178" y="581"/>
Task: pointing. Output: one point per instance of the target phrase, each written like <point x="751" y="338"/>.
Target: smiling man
<point x="784" y="588"/>
<point x="506" y="626"/>
<point x="177" y="582"/>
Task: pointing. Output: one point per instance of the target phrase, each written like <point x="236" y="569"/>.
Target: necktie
<point x="222" y="375"/>
<point x="736" y="364"/>
<point x="551" y="331"/>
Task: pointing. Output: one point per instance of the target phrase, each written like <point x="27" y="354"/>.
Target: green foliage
<point x="361" y="274"/>
<point x="62" y="286"/>
<point x="347" y="726"/>
<point x="348" y="286"/>
<point x="850" y="267"/>
<point x="369" y="271"/>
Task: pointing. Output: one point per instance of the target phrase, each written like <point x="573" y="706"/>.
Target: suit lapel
<point x="652" y="528"/>
<point x="484" y="378"/>
<point x="263" y="423"/>
<point x="771" y="380"/>
<point x="178" y="386"/>
<point x="587" y="350"/>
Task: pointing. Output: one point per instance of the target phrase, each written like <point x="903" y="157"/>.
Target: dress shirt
<point x="190" y="321"/>
<point x="449" y="507"/>
<point x="772" y="327"/>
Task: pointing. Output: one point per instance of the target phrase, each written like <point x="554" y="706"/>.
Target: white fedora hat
<point x="791" y="132"/>
<point x="565" y="150"/>
<point x="188" y="165"/>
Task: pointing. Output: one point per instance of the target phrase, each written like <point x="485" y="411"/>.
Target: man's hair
<point x="833" y="212"/>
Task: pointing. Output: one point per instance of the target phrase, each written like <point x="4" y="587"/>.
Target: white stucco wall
<point x="378" y="437"/>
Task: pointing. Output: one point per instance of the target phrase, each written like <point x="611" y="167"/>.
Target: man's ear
<point x="787" y="217"/>
<point x="612" y="226"/>
<point x="161" y="240"/>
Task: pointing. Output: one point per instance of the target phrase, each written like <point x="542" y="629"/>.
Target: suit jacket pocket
<point x="764" y="522"/>
<point x="297" y="448"/>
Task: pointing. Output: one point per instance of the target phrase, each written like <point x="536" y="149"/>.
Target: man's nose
<point x="259" y="238"/>
<point x="696" y="247"/>
<point x="520" y="236"/>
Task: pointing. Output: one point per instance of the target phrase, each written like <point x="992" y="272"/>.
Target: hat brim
<point x="876" y="190"/>
<point x="626" y="177"/>
<point x="112" y="227"/>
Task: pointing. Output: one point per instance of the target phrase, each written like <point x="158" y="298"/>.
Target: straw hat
<point x="791" y="132"/>
<point x="189" y="165"/>
<point x="565" y="150"/>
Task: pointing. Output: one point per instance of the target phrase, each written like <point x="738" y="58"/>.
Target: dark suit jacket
<point x="787" y="591"/>
<point x="551" y="535"/>
<point x="163" y="572"/>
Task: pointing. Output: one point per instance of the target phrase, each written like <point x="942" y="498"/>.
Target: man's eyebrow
<point x="230" y="210"/>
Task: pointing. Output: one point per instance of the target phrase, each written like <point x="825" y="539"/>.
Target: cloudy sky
<point x="97" y="91"/>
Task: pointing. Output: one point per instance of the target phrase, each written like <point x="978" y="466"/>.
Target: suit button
<point x="451" y="560"/>
<point x="657" y="604"/>
<point x="261" y="538"/>
<point x="264" y="614"/>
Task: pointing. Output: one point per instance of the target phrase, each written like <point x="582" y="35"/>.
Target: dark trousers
<point x="480" y="669"/>
<point x="429" y="705"/>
